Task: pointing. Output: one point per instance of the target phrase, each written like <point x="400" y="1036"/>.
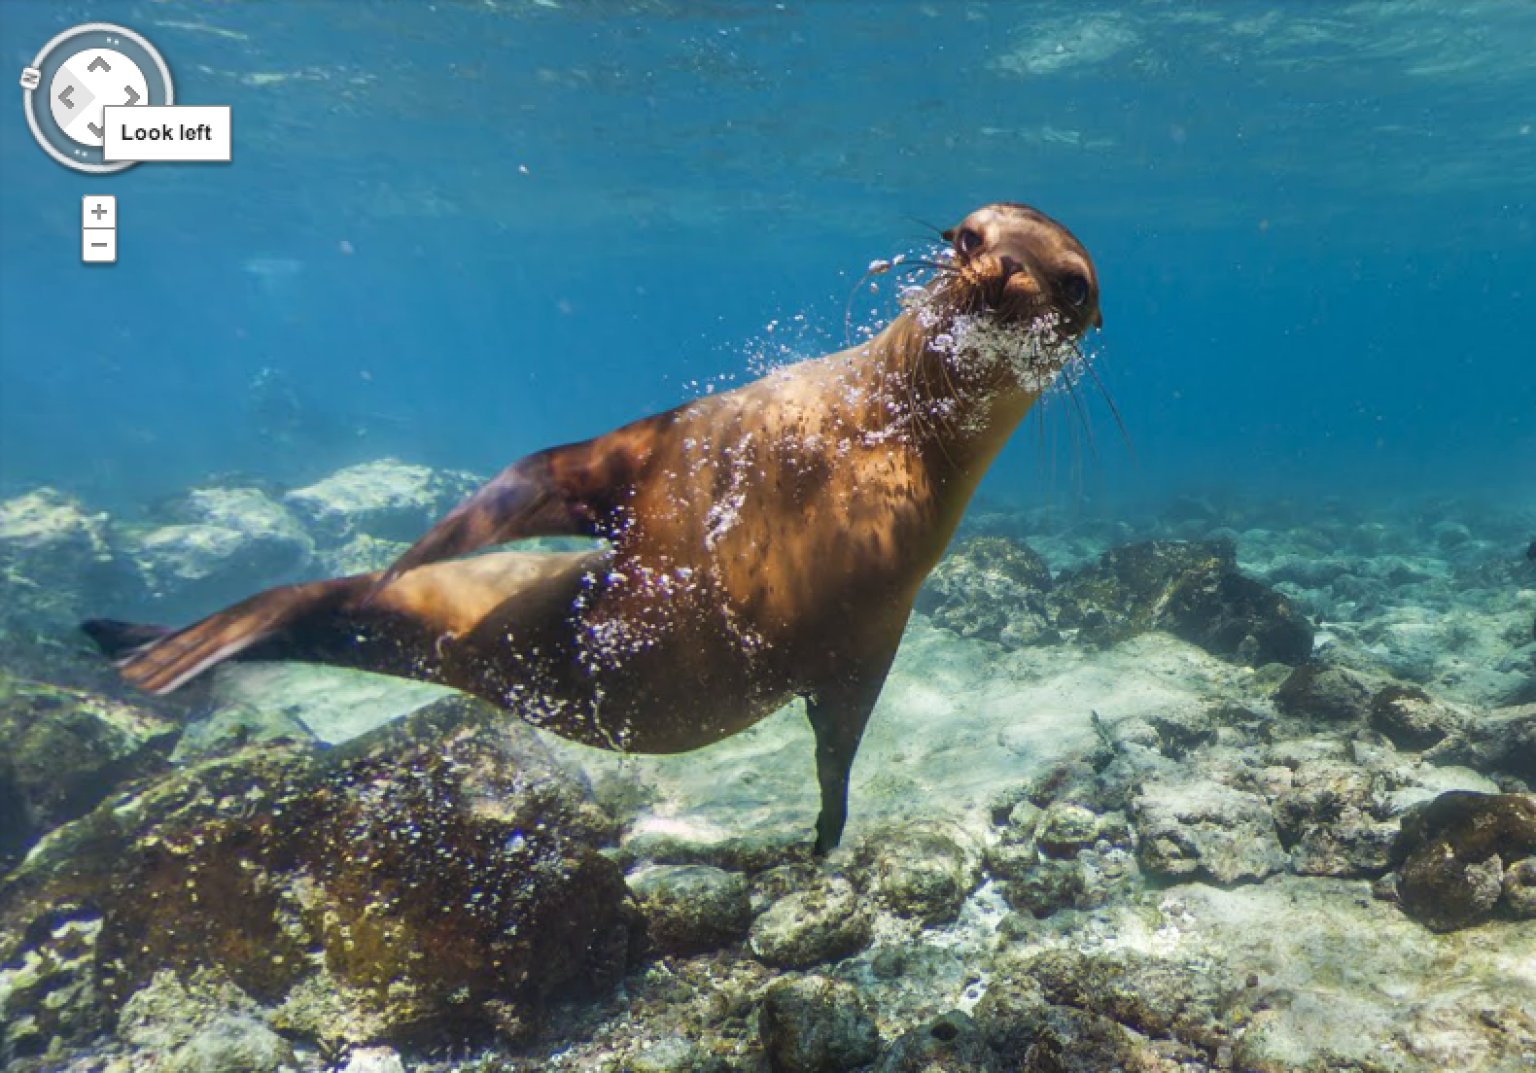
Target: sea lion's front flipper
<point x="564" y="491"/>
<point x="838" y="714"/>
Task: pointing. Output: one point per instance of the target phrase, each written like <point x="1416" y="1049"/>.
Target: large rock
<point x="991" y="588"/>
<point x="1322" y="693"/>
<point x="950" y="1043"/>
<point x="386" y="499"/>
<point x="815" y="1024"/>
<point x="1192" y="590"/>
<point x="1201" y="828"/>
<point x="808" y="927"/>
<point x="1453" y="852"/>
<point x="691" y="908"/>
<point x="52" y="553"/>
<point x="222" y="544"/>
<point x="1337" y="819"/>
<point x="64" y="751"/>
<point x="1501" y="740"/>
<point x="433" y="875"/>
<point x="922" y="870"/>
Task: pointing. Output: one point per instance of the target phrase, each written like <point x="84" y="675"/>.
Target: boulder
<point x="1452" y="853"/>
<point x="431" y="876"/>
<point x="1201" y="828"/>
<point x="1193" y="590"/>
<point x="1327" y="694"/>
<point x="65" y="750"/>
<point x="815" y="1024"/>
<point x="921" y="870"/>
<point x="385" y="499"/>
<point x="221" y="545"/>
<point x="692" y="908"/>
<point x="53" y="552"/>
<point x="991" y="588"/>
<point x="809" y="927"/>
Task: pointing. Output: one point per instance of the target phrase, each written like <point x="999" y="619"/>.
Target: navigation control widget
<point x="76" y="77"/>
<point x="99" y="99"/>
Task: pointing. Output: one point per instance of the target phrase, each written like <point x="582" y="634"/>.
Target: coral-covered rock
<point x="816" y="1024"/>
<point x="1196" y="827"/>
<point x="64" y="751"/>
<point x="991" y="588"/>
<point x="1336" y="820"/>
<point x="1520" y="888"/>
<point x="52" y="553"/>
<point x="1157" y="997"/>
<point x="386" y="499"/>
<point x="1501" y="740"/>
<point x="950" y="1043"/>
<point x="1192" y="590"/>
<point x="222" y="543"/>
<point x="923" y="870"/>
<point x="1411" y="718"/>
<point x="1329" y="694"/>
<point x="812" y="926"/>
<point x="431" y="875"/>
<point x="203" y="1024"/>
<point x="1452" y="853"/>
<point x="1023" y="1028"/>
<point x="691" y="908"/>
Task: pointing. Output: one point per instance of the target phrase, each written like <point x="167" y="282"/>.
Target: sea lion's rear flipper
<point x="411" y="629"/>
<point x="564" y="491"/>
<point x="116" y="639"/>
<point x="159" y="660"/>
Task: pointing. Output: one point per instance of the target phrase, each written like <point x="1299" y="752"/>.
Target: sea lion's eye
<point x="967" y="241"/>
<point x="1074" y="289"/>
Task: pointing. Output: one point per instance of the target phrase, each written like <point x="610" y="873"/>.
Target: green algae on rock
<point x="816" y="1024"/>
<point x="436" y="876"/>
<point x="1453" y="851"/>
<point x="65" y="750"/>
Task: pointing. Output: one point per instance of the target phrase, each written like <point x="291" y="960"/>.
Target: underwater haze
<point x="461" y="231"/>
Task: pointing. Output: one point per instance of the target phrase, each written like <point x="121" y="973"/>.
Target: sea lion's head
<point x="1023" y="268"/>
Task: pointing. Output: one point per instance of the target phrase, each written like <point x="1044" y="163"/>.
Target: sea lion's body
<point x="761" y="544"/>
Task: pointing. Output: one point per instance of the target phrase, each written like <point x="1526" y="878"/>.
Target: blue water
<point x="459" y="232"/>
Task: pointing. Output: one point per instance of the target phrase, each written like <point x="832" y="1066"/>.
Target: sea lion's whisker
<point x="1110" y="402"/>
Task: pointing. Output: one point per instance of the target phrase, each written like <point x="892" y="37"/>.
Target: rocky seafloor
<point x="1227" y="785"/>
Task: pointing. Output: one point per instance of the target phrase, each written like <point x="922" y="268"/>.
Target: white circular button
<point x="86" y="83"/>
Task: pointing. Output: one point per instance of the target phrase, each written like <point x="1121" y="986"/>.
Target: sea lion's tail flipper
<point x="160" y="660"/>
<point x="117" y="639"/>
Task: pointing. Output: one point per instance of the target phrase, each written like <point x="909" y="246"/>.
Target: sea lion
<point x="758" y="545"/>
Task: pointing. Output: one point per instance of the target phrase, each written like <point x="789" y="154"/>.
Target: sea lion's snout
<point x="1026" y="267"/>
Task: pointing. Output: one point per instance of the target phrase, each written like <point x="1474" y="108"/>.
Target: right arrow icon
<point x="133" y="95"/>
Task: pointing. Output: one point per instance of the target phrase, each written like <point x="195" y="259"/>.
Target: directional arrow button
<point x="104" y="65"/>
<point x="65" y="94"/>
<point x="96" y="129"/>
<point x="133" y="95"/>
